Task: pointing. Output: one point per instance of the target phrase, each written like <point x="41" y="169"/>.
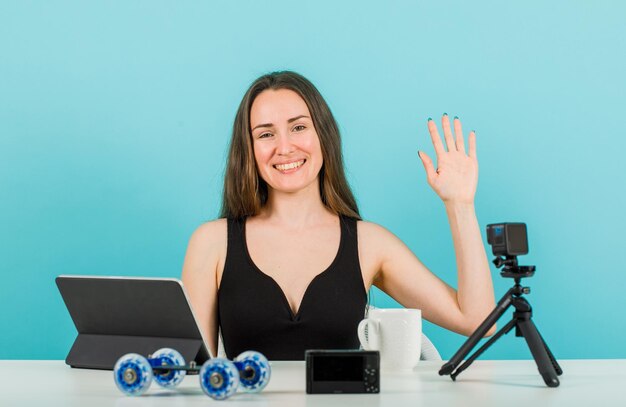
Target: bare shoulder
<point x="207" y="246"/>
<point x="375" y="244"/>
<point x="371" y="233"/>
<point x="379" y="244"/>
<point x="210" y="233"/>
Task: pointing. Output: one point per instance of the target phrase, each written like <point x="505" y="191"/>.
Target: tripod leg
<point x="468" y="362"/>
<point x="555" y="364"/>
<point x="539" y="351"/>
<point x="480" y="332"/>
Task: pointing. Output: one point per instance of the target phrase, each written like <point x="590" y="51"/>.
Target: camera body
<point x="342" y="371"/>
<point x="508" y="239"/>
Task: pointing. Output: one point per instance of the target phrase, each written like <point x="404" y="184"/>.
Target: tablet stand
<point x="119" y="315"/>
<point x="102" y="351"/>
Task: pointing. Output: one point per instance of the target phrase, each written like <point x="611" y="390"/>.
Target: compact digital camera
<point x="342" y="371"/>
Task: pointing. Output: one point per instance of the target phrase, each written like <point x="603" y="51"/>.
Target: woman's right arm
<point x="204" y="261"/>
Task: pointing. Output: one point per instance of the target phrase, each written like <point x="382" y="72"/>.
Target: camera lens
<point x="498" y="234"/>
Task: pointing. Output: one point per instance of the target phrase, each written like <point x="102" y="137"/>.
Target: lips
<point x="290" y="166"/>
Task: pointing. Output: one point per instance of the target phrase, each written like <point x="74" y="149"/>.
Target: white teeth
<point x="285" y="167"/>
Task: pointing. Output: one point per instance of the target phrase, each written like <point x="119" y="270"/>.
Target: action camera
<point x="507" y="239"/>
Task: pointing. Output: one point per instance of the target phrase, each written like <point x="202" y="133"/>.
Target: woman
<point x="289" y="264"/>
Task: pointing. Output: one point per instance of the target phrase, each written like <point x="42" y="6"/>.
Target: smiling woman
<point x="289" y="264"/>
<point x="287" y="152"/>
<point x="292" y="99"/>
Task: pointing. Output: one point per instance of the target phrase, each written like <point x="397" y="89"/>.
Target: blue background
<point x="115" y="118"/>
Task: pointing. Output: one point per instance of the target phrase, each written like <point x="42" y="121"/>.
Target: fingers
<point x="428" y="166"/>
<point x="434" y="136"/>
<point x="458" y="131"/>
<point x="449" y="136"/>
<point x="472" y="144"/>
<point x="447" y="132"/>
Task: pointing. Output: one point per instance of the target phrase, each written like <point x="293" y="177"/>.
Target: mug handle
<point x="366" y="341"/>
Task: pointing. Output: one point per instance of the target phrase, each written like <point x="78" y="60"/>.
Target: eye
<point x="265" y="135"/>
<point x="299" y="127"/>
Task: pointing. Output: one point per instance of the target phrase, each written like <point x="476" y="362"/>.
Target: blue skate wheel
<point x="132" y="374"/>
<point x="171" y="357"/>
<point x="254" y="371"/>
<point x="219" y="378"/>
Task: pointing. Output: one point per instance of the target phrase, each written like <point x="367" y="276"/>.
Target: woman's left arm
<point x="475" y="289"/>
<point x="455" y="181"/>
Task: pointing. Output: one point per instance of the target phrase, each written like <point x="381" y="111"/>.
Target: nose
<point x="285" y="145"/>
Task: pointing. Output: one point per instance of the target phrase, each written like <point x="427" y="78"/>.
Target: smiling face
<point x="286" y="146"/>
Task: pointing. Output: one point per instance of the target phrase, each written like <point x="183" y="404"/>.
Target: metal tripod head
<point x="512" y="269"/>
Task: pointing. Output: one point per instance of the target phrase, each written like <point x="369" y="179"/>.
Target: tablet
<point x="119" y="315"/>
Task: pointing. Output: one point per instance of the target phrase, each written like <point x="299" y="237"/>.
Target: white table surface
<point x="485" y="383"/>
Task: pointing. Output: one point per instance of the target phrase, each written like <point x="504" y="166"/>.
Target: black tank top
<point x="254" y="313"/>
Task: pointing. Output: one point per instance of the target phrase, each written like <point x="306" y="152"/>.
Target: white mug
<point x="396" y="333"/>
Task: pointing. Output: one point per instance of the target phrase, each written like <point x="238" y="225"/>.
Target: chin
<point x="292" y="188"/>
<point x="288" y="189"/>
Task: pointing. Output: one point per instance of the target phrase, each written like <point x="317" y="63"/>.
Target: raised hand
<point x="456" y="176"/>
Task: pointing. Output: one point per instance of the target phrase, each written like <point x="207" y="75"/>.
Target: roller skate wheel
<point x="168" y="378"/>
<point x="132" y="374"/>
<point x="254" y="371"/>
<point x="219" y="378"/>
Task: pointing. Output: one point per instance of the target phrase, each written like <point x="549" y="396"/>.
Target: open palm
<point x="456" y="175"/>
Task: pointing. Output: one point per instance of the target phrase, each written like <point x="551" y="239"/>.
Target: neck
<point x="296" y="210"/>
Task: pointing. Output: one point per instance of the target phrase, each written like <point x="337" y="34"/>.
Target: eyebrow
<point x="293" y="119"/>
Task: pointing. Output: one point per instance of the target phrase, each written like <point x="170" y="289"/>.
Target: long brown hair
<point x="245" y="192"/>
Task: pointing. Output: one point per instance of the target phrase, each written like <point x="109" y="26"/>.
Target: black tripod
<point x="524" y="326"/>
